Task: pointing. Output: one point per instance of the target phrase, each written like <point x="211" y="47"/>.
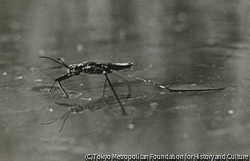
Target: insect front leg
<point x="58" y="80"/>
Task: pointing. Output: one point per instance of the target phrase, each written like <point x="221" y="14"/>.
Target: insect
<point x="90" y="67"/>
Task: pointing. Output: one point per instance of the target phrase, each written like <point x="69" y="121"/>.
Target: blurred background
<point x="201" y="43"/>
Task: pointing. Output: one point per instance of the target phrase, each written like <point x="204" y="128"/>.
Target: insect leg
<point x="103" y="93"/>
<point x="127" y="83"/>
<point x="123" y="110"/>
<point x="58" y="80"/>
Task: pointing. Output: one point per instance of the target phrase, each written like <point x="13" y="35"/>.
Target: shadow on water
<point x="178" y="44"/>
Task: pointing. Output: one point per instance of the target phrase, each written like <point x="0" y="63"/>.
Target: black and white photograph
<point x="129" y="80"/>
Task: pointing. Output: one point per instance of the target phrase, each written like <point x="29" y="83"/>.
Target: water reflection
<point x="170" y="42"/>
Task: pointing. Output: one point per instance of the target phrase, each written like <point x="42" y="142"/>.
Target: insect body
<point x="90" y="67"/>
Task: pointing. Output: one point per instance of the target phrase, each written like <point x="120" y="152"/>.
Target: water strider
<point x="91" y="67"/>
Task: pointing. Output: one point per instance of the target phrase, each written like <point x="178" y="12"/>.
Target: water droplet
<point x="38" y="80"/>
<point x="131" y="126"/>
<point x="80" y="47"/>
<point x="32" y="68"/>
<point x="18" y="78"/>
<point x="161" y="86"/>
<point x="217" y="112"/>
<point x="231" y="112"/>
<point x="4" y="73"/>
<point x="86" y="99"/>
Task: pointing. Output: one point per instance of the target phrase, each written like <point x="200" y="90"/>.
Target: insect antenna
<point x="61" y="62"/>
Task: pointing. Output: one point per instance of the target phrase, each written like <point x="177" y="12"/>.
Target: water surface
<point x="178" y="43"/>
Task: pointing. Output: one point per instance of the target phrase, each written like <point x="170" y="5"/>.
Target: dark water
<point x="179" y="43"/>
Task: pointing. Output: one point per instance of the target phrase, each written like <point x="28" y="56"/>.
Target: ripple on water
<point x="116" y="112"/>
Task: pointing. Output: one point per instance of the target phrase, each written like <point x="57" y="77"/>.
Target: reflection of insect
<point x="90" y="67"/>
<point x="75" y="109"/>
